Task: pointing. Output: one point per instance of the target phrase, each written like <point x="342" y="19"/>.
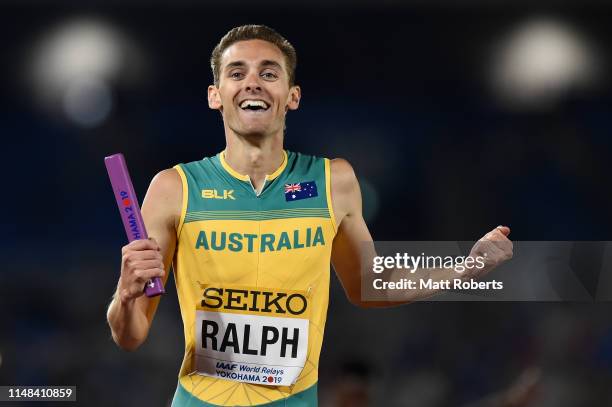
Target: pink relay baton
<point x="129" y="210"/>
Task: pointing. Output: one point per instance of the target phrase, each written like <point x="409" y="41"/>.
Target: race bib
<point x="252" y="335"/>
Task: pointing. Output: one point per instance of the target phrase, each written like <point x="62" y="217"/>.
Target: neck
<point x="254" y="156"/>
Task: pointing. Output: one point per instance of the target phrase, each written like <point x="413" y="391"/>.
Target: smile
<point x="254" y="105"/>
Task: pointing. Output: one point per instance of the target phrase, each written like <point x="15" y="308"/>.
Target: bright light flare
<point x="540" y="61"/>
<point x="74" y="66"/>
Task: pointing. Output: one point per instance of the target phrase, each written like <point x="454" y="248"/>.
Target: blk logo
<point x="213" y="194"/>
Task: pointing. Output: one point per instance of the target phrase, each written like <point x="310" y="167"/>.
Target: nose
<point x="252" y="83"/>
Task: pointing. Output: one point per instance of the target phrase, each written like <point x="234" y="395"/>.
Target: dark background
<point x="405" y="91"/>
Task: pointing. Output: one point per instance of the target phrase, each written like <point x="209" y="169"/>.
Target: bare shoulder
<point x="343" y="177"/>
<point x="168" y="181"/>
<point x="165" y="196"/>
<point x="346" y="197"/>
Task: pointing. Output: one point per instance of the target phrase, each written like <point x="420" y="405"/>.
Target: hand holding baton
<point x="129" y="210"/>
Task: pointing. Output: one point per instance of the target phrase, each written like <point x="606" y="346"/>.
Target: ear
<point x="214" y="98"/>
<point x="293" y="100"/>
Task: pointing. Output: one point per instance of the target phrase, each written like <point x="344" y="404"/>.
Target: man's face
<point x="253" y="93"/>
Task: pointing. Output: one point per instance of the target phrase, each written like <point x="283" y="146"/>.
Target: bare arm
<point x="353" y="238"/>
<point x="130" y="313"/>
<point x="353" y="248"/>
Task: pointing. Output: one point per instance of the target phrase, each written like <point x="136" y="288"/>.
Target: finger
<point x="148" y="274"/>
<point x="504" y="229"/>
<point x="133" y="260"/>
<point x="142" y="244"/>
<point x="494" y="235"/>
<point x="147" y="264"/>
<point x="134" y="256"/>
<point x="492" y="254"/>
<point x="485" y="246"/>
<point x="500" y="240"/>
<point x="497" y="255"/>
<point x="505" y="245"/>
<point x="485" y="250"/>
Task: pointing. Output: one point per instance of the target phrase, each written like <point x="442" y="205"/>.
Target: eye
<point x="269" y="75"/>
<point x="236" y="75"/>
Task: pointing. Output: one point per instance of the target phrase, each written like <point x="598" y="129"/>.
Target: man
<point x="250" y="233"/>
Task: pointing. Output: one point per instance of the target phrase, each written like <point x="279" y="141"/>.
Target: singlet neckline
<point x="245" y="177"/>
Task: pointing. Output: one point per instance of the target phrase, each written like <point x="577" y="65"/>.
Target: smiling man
<point x="250" y="233"/>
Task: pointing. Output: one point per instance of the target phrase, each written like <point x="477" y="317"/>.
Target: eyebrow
<point x="265" y="62"/>
<point x="274" y="64"/>
<point x="235" y="64"/>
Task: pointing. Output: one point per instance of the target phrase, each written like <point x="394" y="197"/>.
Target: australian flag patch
<point x="300" y="190"/>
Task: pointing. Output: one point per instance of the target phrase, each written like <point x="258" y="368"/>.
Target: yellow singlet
<point x="252" y="276"/>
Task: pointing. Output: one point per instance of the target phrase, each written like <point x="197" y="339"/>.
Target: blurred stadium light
<point x="87" y="101"/>
<point x="540" y="61"/>
<point x="74" y="67"/>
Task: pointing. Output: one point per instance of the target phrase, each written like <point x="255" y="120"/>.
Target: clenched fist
<point x="494" y="247"/>
<point x="141" y="261"/>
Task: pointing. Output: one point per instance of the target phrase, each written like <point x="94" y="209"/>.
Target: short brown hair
<point x="254" y="32"/>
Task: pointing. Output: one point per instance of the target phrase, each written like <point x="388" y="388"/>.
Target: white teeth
<point x="253" y="103"/>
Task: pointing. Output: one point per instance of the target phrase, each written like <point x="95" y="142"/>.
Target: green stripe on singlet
<point x="258" y="215"/>
<point x="209" y="174"/>
<point x="306" y="398"/>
